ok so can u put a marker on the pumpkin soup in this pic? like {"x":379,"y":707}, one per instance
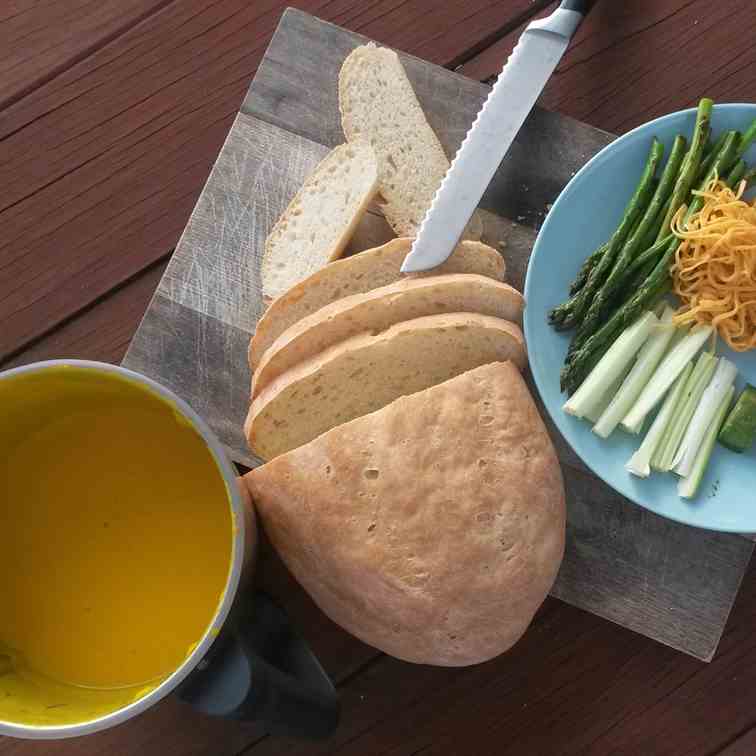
{"x":115,"y":532}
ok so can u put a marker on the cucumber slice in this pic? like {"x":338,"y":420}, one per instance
{"x":739,"y":428}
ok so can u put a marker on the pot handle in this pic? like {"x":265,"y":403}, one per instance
{"x":261,"y":669}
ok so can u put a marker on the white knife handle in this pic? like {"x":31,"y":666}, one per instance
{"x":562,"y":21}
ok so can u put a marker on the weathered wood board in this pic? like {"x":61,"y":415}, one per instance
{"x":670,"y":582}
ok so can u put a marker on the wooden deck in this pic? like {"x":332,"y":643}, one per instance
{"x":111,"y":116}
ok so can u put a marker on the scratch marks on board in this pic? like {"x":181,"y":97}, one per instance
{"x":258,"y":172}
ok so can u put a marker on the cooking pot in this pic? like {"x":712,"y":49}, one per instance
{"x":250,"y":664}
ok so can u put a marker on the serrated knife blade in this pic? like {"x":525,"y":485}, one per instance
{"x":533,"y":60}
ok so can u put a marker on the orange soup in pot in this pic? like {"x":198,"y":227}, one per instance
{"x":116,"y":537}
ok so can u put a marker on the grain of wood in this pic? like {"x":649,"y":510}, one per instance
{"x":85,"y":204}
{"x":39,"y":41}
{"x":698,"y":709}
{"x":101,"y":332}
{"x":630,"y":62}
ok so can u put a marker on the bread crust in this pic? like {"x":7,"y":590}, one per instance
{"x":431,"y":529}
{"x":358,"y":274}
{"x":381,"y":308}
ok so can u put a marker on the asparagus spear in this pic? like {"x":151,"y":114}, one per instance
{"x":560,"y":312}
{"x":635,"y":277}
{"x":720,"y":166}
{"x":640,"y":277}
{"x":691,"y":164}
{"x":650,"y":255}
{"x":571,"y":312}
{"x":653,"y":232}
{"x":709,"y":158}
{"x":591,"y":261}
{"x":657,"y":283}
{"x":687,"y":172}
{"x":737,"y":174}
{"x":603,"y":297}
{"x":585,"y":269}
{"x":745,"y":141}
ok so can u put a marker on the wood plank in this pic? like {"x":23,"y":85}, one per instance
{"x":571,"y":686}
{"x":100,"y":166}
{"x":634,"y":61}
{"x":101,"y":332}
{"x":704,"y":707}
{"x":40,"y":40}
{"x":442,"y":32}
{"x":674,"y":583}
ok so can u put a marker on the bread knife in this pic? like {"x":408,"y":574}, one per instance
{"x":533,"y":60}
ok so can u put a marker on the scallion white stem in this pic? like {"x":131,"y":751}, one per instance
{"x":606,"y":399}
{"x":694,"y":387}
{"x":688,"y":486}
{"x":664,"y":376}
{"x":610,"y":366}
{"x":711,"y":399}
{"x":640,"y":463}
{"x":648,"y":358}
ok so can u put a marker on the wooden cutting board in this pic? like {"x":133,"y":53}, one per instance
{"x":670,"y":582}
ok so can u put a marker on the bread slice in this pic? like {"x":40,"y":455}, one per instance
{"x":431,"y":529}
{"x":381,"y":308}
{"x":377,"y":101}
{"x":319,"y":221}
{"x":366,"y":372}
{"x":358,"y":274}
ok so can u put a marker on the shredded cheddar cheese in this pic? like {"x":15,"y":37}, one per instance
{"x":714,"y":273}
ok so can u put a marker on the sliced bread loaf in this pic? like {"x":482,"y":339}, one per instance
{"x":366,"y":372}
{"x":317,"y":224}
{"x":381,"y":308}
{"x":357,"y":274}
{"x":433,"y":528}
{"x":377,"y":101}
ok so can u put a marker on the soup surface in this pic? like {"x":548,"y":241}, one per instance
{"x":116,"y":533}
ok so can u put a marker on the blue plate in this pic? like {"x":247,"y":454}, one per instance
{"x":582,"y":218}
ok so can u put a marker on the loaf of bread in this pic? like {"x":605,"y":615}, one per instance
{"x":366,"y":372}
{"x":377,"y":101}
{"x":377,"y":310}
{"x":431,"y":529}
{"x":319,"y":221}
{"x":358,"y":274}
